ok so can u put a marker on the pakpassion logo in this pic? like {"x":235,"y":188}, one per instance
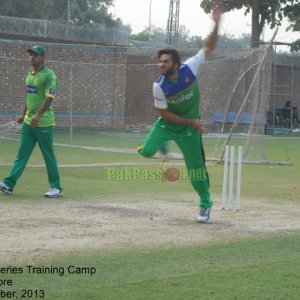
{"x":163,"y":175}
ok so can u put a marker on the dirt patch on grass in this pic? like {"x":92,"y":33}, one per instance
{"x":35,"y":230}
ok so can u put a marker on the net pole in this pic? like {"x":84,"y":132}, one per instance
{"x":246,"y":97}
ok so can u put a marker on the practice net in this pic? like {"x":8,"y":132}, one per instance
{"x":106,"y":93}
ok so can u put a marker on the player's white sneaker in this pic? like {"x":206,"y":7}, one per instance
{"x":204,"y":214}
{"x":5,"y":189}
{"x":53,"y":193}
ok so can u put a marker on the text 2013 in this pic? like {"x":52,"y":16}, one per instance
{"x":31,"y":294}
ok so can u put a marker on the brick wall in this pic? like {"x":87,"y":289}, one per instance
{"x":92,"y":82}
{"x":103,"y":86}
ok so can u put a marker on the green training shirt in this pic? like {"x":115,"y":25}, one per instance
{"x":182,"y":96}
{"x":39,"y":86}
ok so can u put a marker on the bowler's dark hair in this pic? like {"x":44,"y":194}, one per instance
{"x":174,"y":54}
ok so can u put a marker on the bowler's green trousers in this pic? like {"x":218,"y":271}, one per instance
{"x":29,"y":137}
{"x":190,"y":143}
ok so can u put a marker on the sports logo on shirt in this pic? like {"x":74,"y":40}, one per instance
{"x":31,"y":89}
{"x":52,"y":92}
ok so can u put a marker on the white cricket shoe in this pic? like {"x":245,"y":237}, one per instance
{"x":204,"y":214}
{"x":53,"y":193}
{"x":5,"y":189}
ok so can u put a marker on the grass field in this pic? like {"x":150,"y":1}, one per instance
{"x":141,"y":236}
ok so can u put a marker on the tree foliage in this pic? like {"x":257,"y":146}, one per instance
{"x":90,"y":13}
{"x":141,"y":36}
{"x":159,"y":35}
{"x":262,"y":12}
{"x":293,"y":14}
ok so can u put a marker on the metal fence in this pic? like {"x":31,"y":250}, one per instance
{"x":51,"y":30}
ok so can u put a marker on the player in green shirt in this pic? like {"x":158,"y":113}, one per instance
{"x":177,"y":98}
{"x":37,"y":124}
